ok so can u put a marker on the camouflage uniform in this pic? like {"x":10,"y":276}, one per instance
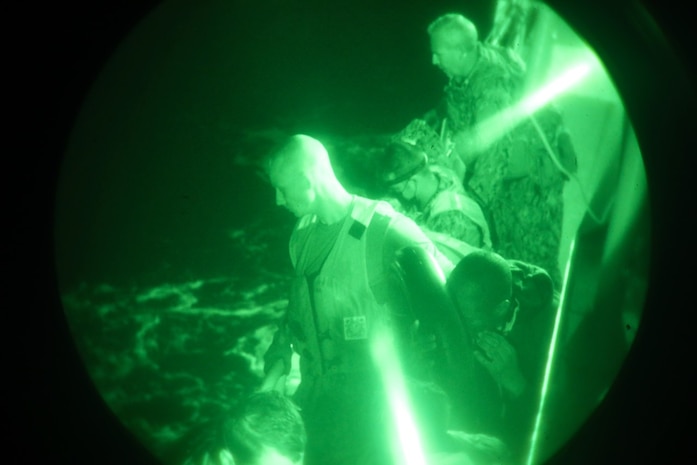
{"x":438,"y":150}
{"x":453,"y":213}
{"x":514,"y":179}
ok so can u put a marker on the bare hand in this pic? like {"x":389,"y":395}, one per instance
{"x":274,"y":379}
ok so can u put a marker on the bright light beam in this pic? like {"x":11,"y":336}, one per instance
{"x":407,"y":448}
{"x":562,"y":83}
{"x":532,"y":452}
{"x":489,"y":131}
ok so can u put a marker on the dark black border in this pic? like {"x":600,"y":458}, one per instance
{"x":57,"y":414}
{"x":61,"y":49}
{"x":643,"y":45}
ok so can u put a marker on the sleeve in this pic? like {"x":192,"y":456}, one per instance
{"x":456,"y":224}
{"x":484,"y":134}
{"x":404,"y":232}
{"x":491,"y":102}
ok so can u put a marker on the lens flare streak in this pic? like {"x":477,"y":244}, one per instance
{"x":407,"y":448}
{"x":532,"y":451}
{"x":489,"y":131}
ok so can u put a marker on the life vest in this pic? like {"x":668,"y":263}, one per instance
{"x":332,"y":317}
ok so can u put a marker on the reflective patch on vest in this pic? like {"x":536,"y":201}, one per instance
{"x":357,"y":229}
{"x":355,"y":328}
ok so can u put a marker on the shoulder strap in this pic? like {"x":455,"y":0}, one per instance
{"x":377,"y":230}
{"x":300,"y":226}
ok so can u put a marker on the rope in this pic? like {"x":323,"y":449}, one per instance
{"x":598,"y":219}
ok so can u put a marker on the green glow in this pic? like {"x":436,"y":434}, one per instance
{"x":631,"y":196}
{"x":406,"y":447}
{"x":495,"y":127}
{"x":550,"y":360}
{"x":171,"y":290}
{"x":184,"y":257}
{"x":567,"y":80}
{"x":439,"y":267}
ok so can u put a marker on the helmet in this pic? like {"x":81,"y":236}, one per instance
{"x":401,"y":160}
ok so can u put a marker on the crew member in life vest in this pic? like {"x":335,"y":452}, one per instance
{"x":342,"y":249}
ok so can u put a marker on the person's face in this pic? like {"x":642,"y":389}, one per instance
{"x":405,"y":191}
{"x":477,"y":321}
{"x":477,"y":318}
{"x":446,"y":56}
{"x":293,"y":191}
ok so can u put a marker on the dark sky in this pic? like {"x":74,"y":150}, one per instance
{"x":149,"y":174}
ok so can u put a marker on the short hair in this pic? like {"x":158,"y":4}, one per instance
{"x":463,"y":31}
{"x":265,"y":420}
{"x":203,"y":444}
{"x":485,"y":275}
{"x":303,"y":153}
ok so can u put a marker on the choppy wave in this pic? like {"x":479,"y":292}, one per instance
{"x":170,"y":357}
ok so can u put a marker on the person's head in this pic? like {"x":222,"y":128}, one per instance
{"x":453,"y":42}
{"x":405,"y":173}
{"x":301,"y":173}
{"x":267,"y":430}
{"x":481,"y":287}
{"x":213,"y":457}
{"x":202,"y":445}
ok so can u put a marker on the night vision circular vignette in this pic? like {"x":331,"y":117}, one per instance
{"x":172,"y":256}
